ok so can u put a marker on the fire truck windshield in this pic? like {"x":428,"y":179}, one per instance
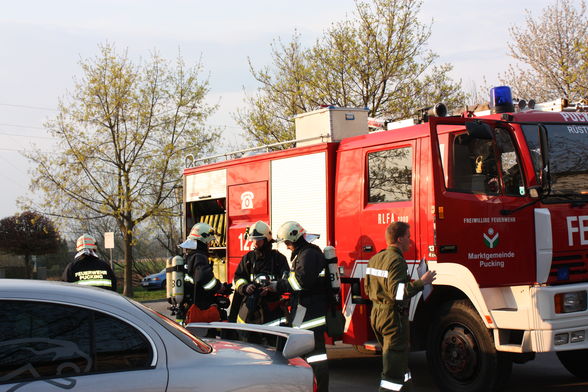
{"x":568,"y":158}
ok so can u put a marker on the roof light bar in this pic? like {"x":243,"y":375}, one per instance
{"x":501,"y":99}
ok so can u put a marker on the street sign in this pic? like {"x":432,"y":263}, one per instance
{"x":109,"y":240}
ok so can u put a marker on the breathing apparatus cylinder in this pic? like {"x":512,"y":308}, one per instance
{"x":177,"y":280}
{"x":168,"y":279}
{"x":332,"y":269}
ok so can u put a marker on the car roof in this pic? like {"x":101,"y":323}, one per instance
{"x":60,"y":292}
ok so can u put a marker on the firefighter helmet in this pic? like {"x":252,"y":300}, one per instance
{"x":202,"y":232}
{"x":290,"y":231}
{"x":258,"y":231}
{"x":86,"y":241}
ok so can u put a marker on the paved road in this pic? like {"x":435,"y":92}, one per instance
{"x":352,"y":371}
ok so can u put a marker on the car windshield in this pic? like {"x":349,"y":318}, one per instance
{"x":175,"y":329}
{"x":568,"y":157}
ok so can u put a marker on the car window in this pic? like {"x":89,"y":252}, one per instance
{"x":42,"y":340}
{"x":472,"y":165}
{"x":176,"y":329}
{"x":390,"y":175}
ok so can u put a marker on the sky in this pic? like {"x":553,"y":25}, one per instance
{"x":42,"y":43}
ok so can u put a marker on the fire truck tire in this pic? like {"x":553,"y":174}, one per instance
{"x":461,"y":352}
{"x":575,"y":362}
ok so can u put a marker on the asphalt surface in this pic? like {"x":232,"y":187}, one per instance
{"x":351,"y":371}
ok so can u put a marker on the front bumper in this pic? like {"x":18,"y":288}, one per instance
{"x":531,"y":310}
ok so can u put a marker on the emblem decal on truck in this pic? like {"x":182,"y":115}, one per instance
{"x":491,"y":242}
{"x":247,"y":200}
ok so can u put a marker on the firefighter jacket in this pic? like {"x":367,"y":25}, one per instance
{"x":266,"y":261}
{"x":308,"y":285}
{"x":205,"y":283}
{"x":91,"y":271}
{"x":255,"y":308}
{"x":385,"y":271}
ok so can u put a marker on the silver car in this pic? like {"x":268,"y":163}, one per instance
{"x":57,"y":336}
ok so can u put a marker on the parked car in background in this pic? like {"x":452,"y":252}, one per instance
{"x":56,"y":336}
{"x":154,"y":281}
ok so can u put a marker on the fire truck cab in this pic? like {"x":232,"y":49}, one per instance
{"x":497,"y":206}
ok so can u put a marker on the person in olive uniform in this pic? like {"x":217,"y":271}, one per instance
{"x":87,"y":268}
{"x":309,"y":289}
{"x":389,"y":287}
{"x":254,"y":273}
{"x":199,"y":269}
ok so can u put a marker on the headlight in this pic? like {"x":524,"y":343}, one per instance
{"x":570,"y":302}
{"x":561,"y":338}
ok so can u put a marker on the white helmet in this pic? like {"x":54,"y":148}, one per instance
{"x":202,"y":232}
{"x":290,"y":231}
{"x":86,"y":241}
{"x":258,"y":231}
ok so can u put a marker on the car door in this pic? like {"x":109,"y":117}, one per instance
{"x":478,"y":222}
{"x":54,"y":347}
{"x":389,"y":195}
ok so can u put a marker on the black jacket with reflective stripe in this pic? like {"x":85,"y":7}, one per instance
{"x":92,"y":270}
{"x":205,"y":283}
{"x":308,"y":262}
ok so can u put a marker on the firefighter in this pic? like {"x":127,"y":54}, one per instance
{"x":87,"y":268}
{"x":389,"y":287}
{"x":310,"y":294}
{"x":204,"y":305}
{"x":255,"y":272}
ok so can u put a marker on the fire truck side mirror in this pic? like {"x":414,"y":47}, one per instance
{"x":478,"y":129}
{"x":534,"y":191}
{"x":544,"y":144}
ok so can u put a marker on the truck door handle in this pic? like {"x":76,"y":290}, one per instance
{"x":368,"y":248}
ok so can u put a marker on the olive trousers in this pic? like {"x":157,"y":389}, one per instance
{"x":392,"y":331}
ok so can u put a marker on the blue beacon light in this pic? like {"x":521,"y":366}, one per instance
{"x":501,"y":99}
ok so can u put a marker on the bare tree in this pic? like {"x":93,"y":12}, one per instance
{"x":122,"y":134}
{"x":549,"y":51}
{"x":377,"y":59}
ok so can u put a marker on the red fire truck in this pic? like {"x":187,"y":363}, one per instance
{"x":497,"y":204}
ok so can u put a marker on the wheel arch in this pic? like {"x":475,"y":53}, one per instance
{"x":453,"y":282}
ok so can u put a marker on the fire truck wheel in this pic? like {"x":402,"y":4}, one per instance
{"x":461,"y":353}
{"x":575,"y":362}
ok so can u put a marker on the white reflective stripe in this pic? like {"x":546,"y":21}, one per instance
{"x":276,"y":323}
{"x":316,"y":358}
{"x":294,"y":282}
{"x":322,"y":273}
{"x":188,"y":278}
{"x":240,"y":282}
{"x":390,"y":385}
{"x":96,"y":282}
{"x":317,"y":322}
{"x":210,"y":285}
{"x":400,"y":292}
{"x":376,"y":272}
{"x":407,"y":377}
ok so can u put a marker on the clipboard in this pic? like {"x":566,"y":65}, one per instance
{"x":421,"y":270}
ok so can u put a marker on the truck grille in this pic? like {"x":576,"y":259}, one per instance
{"x":569,"y":267}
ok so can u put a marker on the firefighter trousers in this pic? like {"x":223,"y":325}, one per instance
{"x":317,"y":359}
{"x":391,"y":329}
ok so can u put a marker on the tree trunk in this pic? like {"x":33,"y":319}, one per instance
{"x":27,"y":264}
{"x":128,"y":254}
